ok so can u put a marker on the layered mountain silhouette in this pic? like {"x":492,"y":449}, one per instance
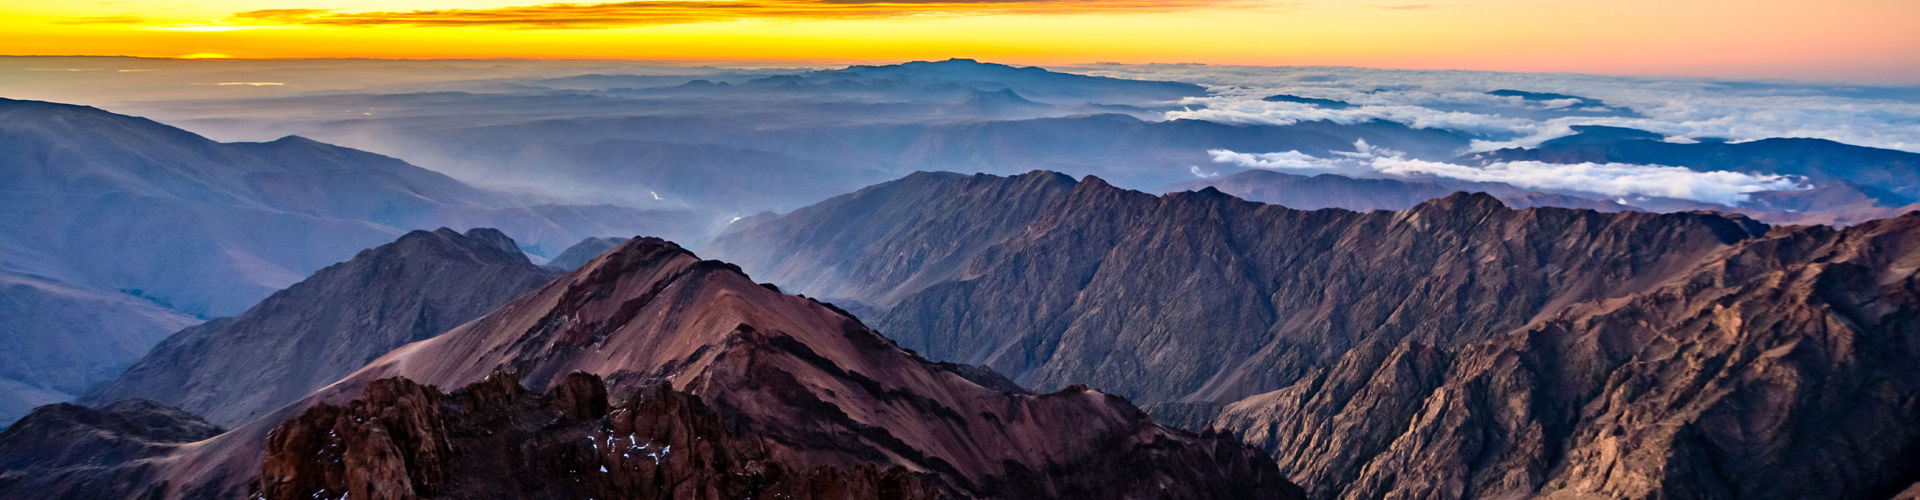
{"x":1455,"y":349}
{"x":754,"y":163}
{"x":230,"y":370}
{"x":975,"y":75}
{"x":754,"y":390}
{"x":120,"y":229}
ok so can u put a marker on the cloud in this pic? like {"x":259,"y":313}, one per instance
{"x":1610,"y":179}
{"x":660,"y":12}
{"x":1683,"y":108}
{"x":102,"y":20}
{"x":1204,"y":174}
{"x":1289,"y":160}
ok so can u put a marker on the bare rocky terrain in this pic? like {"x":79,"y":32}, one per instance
{"x":1457,"y":349}
{"x":812,"y":390}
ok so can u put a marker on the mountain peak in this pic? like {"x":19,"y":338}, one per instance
{"x":493,"y":237}
{"x":425,"y":282}
{"x":1474,"y":202}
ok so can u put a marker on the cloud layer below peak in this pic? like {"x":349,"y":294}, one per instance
{"x":1465,"y":101}
{"x":1610,"y":179}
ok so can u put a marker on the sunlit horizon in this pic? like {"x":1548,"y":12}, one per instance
{"x":1858,"y":41}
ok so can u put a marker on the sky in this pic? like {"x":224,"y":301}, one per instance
{"x":1860,"y":41}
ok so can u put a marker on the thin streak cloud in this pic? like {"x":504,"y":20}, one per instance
{"x":648,"y":13}
{"x":95,"y":20}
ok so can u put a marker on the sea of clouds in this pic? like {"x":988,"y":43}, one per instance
{"x":1622,"y":180}
{"x":1682,"y":109}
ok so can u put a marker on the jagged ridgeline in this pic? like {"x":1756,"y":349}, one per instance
{"x":756,"y":391}
{"x":1456,"y":349}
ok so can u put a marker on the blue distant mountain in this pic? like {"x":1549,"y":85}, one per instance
{"x":119,"y":230}
{"x":1033,"y":82}
{"x":1324,"y":103}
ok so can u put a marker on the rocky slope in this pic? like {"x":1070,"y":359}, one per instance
{"x":1458,"y":349}
{"x":316,"y":331}
{"x":1774,"y":369}
{"x":817,"y":393}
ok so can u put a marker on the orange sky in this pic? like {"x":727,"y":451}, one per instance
{"x":1875,"y":41}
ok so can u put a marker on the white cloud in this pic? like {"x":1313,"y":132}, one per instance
{"x":1610,"y":179}
{"x":1204,"y":174}
{"x":1289,"y":160}
{"x":1884,"y":117}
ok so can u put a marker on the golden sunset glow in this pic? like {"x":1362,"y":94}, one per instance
{"x":1862,"y":40}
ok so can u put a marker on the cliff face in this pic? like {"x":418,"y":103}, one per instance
{"x":311,"y":334}
{"x":1460,"y":349}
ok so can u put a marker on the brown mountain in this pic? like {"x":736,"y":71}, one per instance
{"x":1457,"y":349}
{"x":230,"y":370}
{"x":1776,"y":368}
{"x":814,"y":393}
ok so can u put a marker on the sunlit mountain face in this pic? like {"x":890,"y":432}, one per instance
{"x":960,"y":249}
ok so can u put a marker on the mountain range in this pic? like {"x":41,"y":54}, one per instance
{"x":1577,"y":352}
{"x":721,"y":383}
{"x":144,"y":228}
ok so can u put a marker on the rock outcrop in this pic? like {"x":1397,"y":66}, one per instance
{"x":495,"y":438}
